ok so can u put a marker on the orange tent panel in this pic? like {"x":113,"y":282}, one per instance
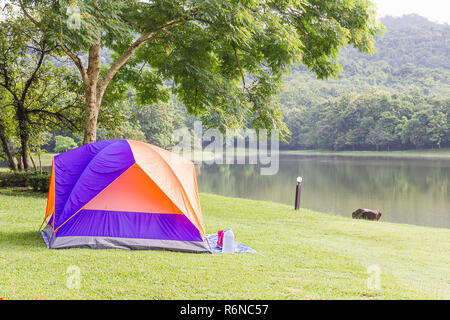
{"x":51,"y":194}
{"x":133,"y":191}
{"x":174,"y":175}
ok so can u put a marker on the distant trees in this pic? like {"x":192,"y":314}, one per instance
{"x":397,"y":98}
{"x":376,"y":121}
{"x":438,"y":129}
{"x":63,"y":144}
{"x":158,"y":122}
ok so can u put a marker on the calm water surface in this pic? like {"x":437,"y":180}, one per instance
{"x":413,"y":191}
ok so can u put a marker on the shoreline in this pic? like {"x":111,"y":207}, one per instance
{"x":443,"y":154}
{"x":202,"y":156}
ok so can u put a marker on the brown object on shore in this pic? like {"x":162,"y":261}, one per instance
{"x":367,"y":214}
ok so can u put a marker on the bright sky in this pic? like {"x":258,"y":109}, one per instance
{"x":434,"y":10}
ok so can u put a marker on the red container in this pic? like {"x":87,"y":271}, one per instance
{"x":220,"y":238}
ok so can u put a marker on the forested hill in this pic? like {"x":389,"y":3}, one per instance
{"x":410,"y":72}
{"x":414,"y":52}
{"x":411,"y":39}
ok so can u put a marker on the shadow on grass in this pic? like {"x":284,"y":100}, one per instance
{"x":22,"y":192}
{"x":26,"y":239}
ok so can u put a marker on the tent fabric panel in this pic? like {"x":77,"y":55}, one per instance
{"x":51,"y":194}
{"x":156,"y":166}
{"x":133,"y":191}
{"x":102,"y":169}
{"x":185,"y":172}
{"x":99,"y":223}
{"x":47,"y":235}
{"x":68,"y":167}
{"x":129,"y":243}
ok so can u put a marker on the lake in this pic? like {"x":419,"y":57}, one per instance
{"x":413,"y":191}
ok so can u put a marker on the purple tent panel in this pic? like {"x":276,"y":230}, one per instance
{"x":139,"y":225}
{"x":82,"y":173}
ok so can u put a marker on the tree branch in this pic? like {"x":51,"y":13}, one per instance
{"x":6,"y":83}
{"x":56,"y":114}
{"x":30,"y":17}
{"x":66,"y":50}
{"x":240,"y":69}
{"x":33,"y":75}
{"x":72,"y":56}
{"x":120,"y":61}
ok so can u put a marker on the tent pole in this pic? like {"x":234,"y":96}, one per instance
{"x":41,"y":225}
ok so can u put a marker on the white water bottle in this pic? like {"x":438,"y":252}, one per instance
{"x":228,"y":241}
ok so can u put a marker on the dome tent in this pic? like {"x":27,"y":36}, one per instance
{"x":123,"y":194}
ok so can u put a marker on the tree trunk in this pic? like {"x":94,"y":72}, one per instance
{"x":40,"y":163}
{"x":19,"y":161}
{"x":6,"y":150}
{"x":32,"y":160}
{"x":90,"y":126}
{"x":24,"y":150}
{"x":92,"y":102}
{"x":23,"y":134}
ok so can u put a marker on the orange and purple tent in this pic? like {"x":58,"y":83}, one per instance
{"x":123,"y":194}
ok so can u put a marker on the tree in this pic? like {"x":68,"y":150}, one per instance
{"x":157,"y":122}
{"x":41,"y":96}
{"x":296,"y":127}
{"x":379,"y":137}
{"x":413,"y":132}
{"x":224,"y":58}
{"x":120,"y":122}
{"x":438,"y":128}
{"x":5,"y":128}
{"x":353,"y":138}
{"x":63,"y":144}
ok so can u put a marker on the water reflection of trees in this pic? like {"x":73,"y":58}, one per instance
{"x":412,"y":191}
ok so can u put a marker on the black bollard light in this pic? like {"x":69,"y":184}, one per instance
{"x":298,"y":193}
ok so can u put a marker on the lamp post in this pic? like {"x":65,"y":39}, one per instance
{"x":298,"y":193}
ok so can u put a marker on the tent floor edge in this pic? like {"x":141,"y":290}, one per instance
{"x":47,"y":235}
{"x":93,"y":242}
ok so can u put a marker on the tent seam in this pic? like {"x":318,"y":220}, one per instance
{"x":100,"y":191}
{"x":94,"y":197}
{"x":178,"y":179}
{"x":78,"y":179}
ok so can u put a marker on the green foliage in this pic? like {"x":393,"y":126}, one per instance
{"x":151,"y":123}
{"x":371,"y":121}
{"x":412,"y":54}
{"x":63,"y":144}
{"x":38,"y":181}
{"x":157,"y":122}
{"x":224,"y":60}
{"x":396,"y":98}
{"x":35,"y":96}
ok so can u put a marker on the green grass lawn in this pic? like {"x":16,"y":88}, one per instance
{"x":302,"y":255}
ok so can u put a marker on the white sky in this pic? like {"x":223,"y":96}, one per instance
{"x":434,"y":10}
